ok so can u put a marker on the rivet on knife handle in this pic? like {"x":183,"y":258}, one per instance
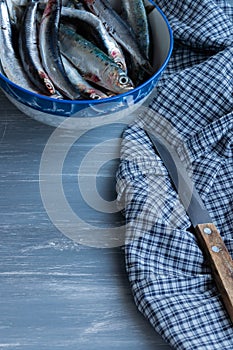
{"x":220,"y":261}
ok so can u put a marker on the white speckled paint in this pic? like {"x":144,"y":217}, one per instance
{"x":54,"y":293}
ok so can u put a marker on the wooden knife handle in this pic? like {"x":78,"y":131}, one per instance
{"x":220,"y":261}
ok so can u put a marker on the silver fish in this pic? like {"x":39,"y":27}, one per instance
{"x":29,"y":51}
{"x":16,"y":10}
{"x":135,"y":14}
{"x":92,"y":62}
{"x":119,"y":29}
{"x":86,"y":90}
{"x":10,"y":62}
{"x":50,"y":51}
{"x":96,"y":26}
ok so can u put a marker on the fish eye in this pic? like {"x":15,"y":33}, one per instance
{"x":123,"y":80}
{"x":95,"y":97}
{"x":120,"y":65}
{"x":49,"y":86}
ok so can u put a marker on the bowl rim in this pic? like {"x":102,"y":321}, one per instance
{"x":107,"y":99}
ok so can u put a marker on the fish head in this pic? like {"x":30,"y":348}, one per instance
{"x":95,"y":95}
{"x":49,"y":85}
{"x":121,"y":64}
{"x":117,"y":80}
{"x":47,"y":82}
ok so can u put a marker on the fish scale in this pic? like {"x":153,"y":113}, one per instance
{"x":86,"y":90}
{"x":136,"y":16}
{"x":50,"y":51}
{"x":120,"y":30}
{"x":93,"y":26}
{"x":36,"y":64}
{"x":10,"y":63}
{"x":93,"y":63}
{"x":29,"y":51}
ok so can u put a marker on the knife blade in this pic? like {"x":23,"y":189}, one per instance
{"x":209,"y":238}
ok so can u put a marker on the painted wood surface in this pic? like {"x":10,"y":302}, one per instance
{"x":54,"y":292}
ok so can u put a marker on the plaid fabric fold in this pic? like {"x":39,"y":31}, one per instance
{"x":192,"y":108}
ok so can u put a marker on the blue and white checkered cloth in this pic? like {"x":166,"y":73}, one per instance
{"x":192,"y":108}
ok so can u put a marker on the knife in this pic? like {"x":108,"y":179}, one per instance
{"x":209,"y":238}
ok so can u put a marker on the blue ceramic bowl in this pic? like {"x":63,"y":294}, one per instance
{"x":54,"y":112}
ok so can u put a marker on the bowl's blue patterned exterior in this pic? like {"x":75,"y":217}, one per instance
{"x":53,"y":112}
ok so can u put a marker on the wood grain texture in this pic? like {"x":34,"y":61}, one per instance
{"x":55,"y":293}
{"x":220,"y":261}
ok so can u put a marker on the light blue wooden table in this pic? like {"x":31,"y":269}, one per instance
{"x":54,"y":292}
